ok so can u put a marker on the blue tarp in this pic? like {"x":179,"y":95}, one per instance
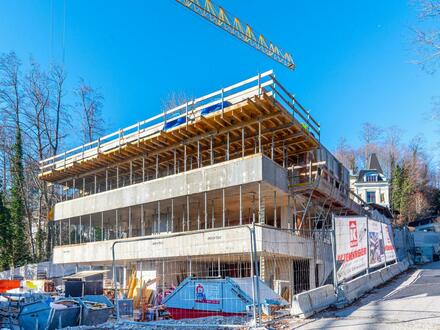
{"x":215,"y":107}
{"x":174,"y":123}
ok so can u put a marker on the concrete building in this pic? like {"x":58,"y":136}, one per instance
{"x":371,"y":184}
{"x":192,"y":180}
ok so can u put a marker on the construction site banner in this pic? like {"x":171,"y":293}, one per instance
{"x":390,"y":252}
{"x":376,"y":243}
{"x":351,"y":246}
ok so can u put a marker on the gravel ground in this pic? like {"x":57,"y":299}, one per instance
{"x":212,"y":322}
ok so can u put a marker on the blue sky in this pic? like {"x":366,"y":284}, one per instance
{"x":353,"y":57}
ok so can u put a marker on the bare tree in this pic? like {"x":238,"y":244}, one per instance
{"x":427,"y":34}
{"x":370,"y":135}
{"x":89,"y":105}
{"x":346,"y":155}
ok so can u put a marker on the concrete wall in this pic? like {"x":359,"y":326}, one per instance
{"x":255,"y":168}
{"x":228,"y":240}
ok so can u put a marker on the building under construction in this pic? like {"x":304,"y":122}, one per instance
{"x":193,"y":179}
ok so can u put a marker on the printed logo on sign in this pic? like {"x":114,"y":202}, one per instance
{"x":353,"y":233}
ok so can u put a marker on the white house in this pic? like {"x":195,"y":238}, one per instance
{"x":371,"y":184}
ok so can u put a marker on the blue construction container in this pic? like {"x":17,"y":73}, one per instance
{"x":196,"y":297}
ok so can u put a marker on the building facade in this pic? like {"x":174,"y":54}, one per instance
{"x":371,"y":184}
{"x":176,"y":194}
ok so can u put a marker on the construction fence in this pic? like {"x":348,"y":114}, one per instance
{"x":256,"y":283}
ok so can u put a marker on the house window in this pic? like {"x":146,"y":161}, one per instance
{"x":371,"y":197}
{"x":371,"y":177}
{"x":382,"y":198}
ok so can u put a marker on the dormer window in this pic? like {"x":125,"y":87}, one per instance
{"x":371,"y":177}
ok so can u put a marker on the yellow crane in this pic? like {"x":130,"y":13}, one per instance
{"x":231,"y":24}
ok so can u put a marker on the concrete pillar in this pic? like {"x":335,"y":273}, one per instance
{"x":117,"y":176}
{"x":312,"y":264}
{"x":241,"y":205}
{"x":206,"y":210}
{"x":187,"y":213}
{"x":130,"y":232}
{"x":94,"y":188}
{"x":131,"y":172}
{"x":142,"y":221}
{"x":227,"y":146}
{"x":157,"y":166}
{"x":106,"y":179}
{"x":117,"y":224}
{"x":223,"y":208}
{"x":143,"y":169}
{"x":242,"y":142}
{"x":158,"y":217}
{"x":184,"y":157}
{"x":211,"y":152}
{"x":275,"y":221}
{"x":102,"y":226}
{"x":175,"y":161}
{"x":172,"y":214}
{"x":259,"y":138}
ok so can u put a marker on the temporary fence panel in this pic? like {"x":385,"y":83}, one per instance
{"x":361,"y":244}
{"x":376,"y":243}
{"x":390,"y":252}
{"x":351,"y":246}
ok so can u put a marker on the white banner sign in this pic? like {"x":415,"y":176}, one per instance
{"x":390,"y":252}
{"x":351,"y":246}
{"x":376,"y":243}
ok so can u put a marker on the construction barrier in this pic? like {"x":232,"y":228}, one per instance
{"x":307,"y":303}
{"x":355,"y":288}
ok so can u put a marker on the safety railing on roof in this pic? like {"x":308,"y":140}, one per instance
{"x":264,"y":83}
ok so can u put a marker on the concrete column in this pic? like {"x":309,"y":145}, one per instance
{"x":117,"y":224}
{"x":183,"y":217}
{"x":142,"y":221}
{"x":106,"y":179}
{"x":312,"y":264}
{"x":80,"y":229}
{"x":90,"y":229}
{"x":102,"y":227}
{"x":175,"y":161}
{"x":206,"y":210}
{"x":157,"y":166}
{"x":70,"y":240}
{"x":275,"y":208}
{"x":117,"y":176}
{"x":184,"y":157}
{"x":198,"y":215}
{"x":213,"y":213}
{"x":94,"y":188}
{"x":242,"y":142}
{"x":272,"y":147}
{"x":172,"y":214}
{"x":158,"y":217}
{"x":198,"y":154}
{"x":211,"y":152}
{"x":143,"y":168}
{"x":259,"y":138}
{"x":187,"y":213}
{"x":227,"y":146}
{"x":84,"y":186}
{"x":130,"y":232}
{"x":223,"y":208}
{"x":241,"y":205}
{"x":260,"y":218}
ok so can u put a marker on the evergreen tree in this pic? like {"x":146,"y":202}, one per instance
{"x":5,"y":235}
{"x":20,"y":251}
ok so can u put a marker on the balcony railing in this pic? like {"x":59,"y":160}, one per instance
{"x":184,"y":114}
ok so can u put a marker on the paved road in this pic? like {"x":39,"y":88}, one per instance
{"x":410,"y":301}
